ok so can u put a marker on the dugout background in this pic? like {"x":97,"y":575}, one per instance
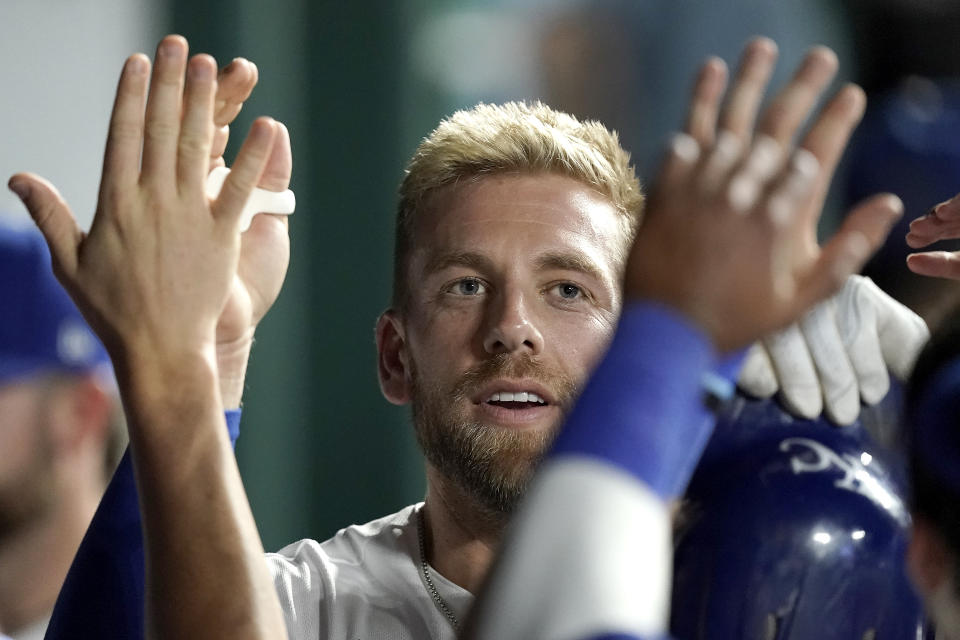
{"x":358,"y":84}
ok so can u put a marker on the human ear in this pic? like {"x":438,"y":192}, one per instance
{"x":392,"y":363}
{"x":78,"y":412}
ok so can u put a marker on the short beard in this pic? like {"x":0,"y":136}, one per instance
{"x":490,"y":463}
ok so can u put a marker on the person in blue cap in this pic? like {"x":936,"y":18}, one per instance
{"x":60,"y":431}
{"x":933,"y":407}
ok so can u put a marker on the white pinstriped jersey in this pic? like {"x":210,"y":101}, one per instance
{"x":365,"y":583}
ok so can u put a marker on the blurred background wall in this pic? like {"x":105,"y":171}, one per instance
{"x":358,"y":84}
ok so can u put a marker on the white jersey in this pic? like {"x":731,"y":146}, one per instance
{"x":365,"y":583}
{"x":34,"y":631}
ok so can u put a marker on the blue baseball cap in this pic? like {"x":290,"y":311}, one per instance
{"x":41,"y":331}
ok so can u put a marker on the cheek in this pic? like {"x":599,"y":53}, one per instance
{"x":580,"y":340}
{"x":447,"y":334}
{"x":19,"y":441}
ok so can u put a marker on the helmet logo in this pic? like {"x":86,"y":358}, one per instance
{"x":815,"y":457}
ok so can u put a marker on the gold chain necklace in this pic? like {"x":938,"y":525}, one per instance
{"x":438,"y":600}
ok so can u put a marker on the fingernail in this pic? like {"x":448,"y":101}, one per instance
{"x":895,"y":205}
{"x":171,"y":47}
{"x":22,"y":189}
{"x":136,"y":65}
{"x":201,"y":68}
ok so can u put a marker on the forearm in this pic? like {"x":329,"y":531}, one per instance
{"x":202,"y":550}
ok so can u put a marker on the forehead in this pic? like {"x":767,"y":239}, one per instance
{"x":520,"y":216}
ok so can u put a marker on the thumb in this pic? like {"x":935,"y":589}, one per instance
{"x":861,"y":234}
{"x":276,"y":175}
{"x":53,"y":218}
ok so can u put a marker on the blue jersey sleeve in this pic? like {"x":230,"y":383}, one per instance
{"x":643,"y":409}
{"x":103,"y":594}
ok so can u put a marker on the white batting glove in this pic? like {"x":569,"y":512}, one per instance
{"x":838,"y":354}
{"x":260,"y":201}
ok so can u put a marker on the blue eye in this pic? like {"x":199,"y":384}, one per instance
{"x":469,"y":287}
{"x":568,"y":291}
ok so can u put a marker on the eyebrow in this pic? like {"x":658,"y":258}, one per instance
{"x":565,"y":261}
{"x":469,"y":259}
{"x":552,"y":260}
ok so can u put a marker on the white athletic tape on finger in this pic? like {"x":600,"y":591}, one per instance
{"x":260,"y":200}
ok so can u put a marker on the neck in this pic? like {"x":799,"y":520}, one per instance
{"x":34,"y":561}
{"x":461,"y":536}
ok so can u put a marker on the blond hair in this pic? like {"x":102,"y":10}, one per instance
{"x":513,"y":137}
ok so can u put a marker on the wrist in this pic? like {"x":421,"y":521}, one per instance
{"x":232,"y":357}
{"x":166,"y":396}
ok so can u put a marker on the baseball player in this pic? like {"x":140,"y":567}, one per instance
{"x":60,"y":432}
{"x":516,"y":224}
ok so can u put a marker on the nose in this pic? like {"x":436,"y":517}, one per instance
{"x":511,"y":327}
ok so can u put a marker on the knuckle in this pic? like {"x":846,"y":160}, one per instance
{"x":193,"y":143}
{"x":125,"y":130}
{"x":160,"y":130}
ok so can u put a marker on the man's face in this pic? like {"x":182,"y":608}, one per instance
{"x":515,"y":291}
{"x":26,"y":465}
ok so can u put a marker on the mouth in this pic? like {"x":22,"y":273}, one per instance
{"x":516,"y":400}
{"x":515,"y":403}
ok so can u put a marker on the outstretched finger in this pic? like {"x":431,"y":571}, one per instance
{"x":53,"y":218}
{"x":745,"y":96}
{"x":705,"y":102}
{"x":196,"y":130}
{"x":936,"y":264}
{"x":862,"y":233}
{"x":121,"y":158}
{"x":828,"y":136}
{"x":247,"y":170}
{"x":161,"y":130}
{"x":793,"y":103}
{"x":235,"y":83}
{"x":679,"y":158}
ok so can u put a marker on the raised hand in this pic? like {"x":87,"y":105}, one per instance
{"x":729,"y":237}
{"x":942,"y":222}
{"x":265,"y":247}
{"x":161,"y":291}
{"x":153,"y":277}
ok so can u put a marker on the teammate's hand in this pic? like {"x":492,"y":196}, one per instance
{"x":155,"y":271}
{"x":235,"y":83}
{"x":838,"y":354}
{"x":265,"y":247}
{"x":942,"y":222}
{"x":729,"y":236}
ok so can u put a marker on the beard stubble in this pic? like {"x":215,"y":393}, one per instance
{"x":491,"y":463}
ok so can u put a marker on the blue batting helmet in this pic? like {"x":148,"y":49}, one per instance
{"x":791,"y":530}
